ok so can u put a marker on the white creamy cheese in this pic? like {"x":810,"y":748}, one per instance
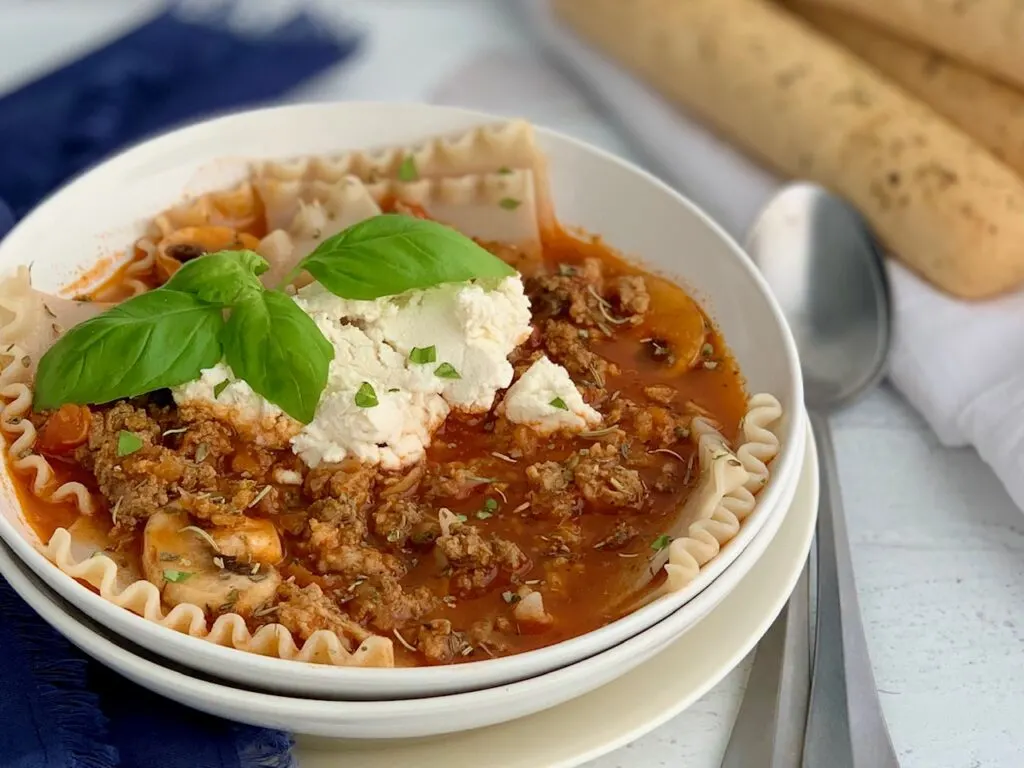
{"x":546,"y":399}
{"x":472,"y":330}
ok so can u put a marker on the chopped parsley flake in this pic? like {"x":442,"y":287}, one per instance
{"x":509,"y":203}
{"x":559,"y":403}
{"x":366,"y":397}
{"x":127,"y":443}
{"x":461,"y":518}
{"x":661,"y":542}
{"x":218,"y":388}
{"x":447,"y":371}
{"x":177,"y":577}
{"x":491,"y":504}
{"x":407,"y":171}
{"x":421,"y":355}
{"x":504,"y":170}
{"x":483,"y":514}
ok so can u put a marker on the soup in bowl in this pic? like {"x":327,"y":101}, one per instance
{"x":369,"y":407}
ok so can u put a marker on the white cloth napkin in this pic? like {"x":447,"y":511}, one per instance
{"x":960,"y":364}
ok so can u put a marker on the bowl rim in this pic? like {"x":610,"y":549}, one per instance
{"x":785,"y":470}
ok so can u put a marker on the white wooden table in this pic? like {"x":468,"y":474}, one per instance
{"x":938,"y":545}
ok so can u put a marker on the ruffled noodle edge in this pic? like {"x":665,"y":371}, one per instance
{"x":725,"y":494}
{"x":229,"y":630}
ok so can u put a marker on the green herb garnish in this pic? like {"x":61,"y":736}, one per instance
{"x":559,"y":403}
{"x":421,"y":355}
{"x":407,"y":171}
{"x":366,"y":397}
{"x":661,"y":542}
{"x":220,"y":387}
{"x":483,"y":514}
{"x":461,"y":518}
{"x":127,"y":443}
{"x":504,"y":170}
{"x":177,"y":577}
{"x":491,"y":504}
{"x":393,"y":253}
{"x":509,"y":203}
{"x":447,"y":371}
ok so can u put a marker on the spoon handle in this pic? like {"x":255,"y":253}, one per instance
{"x":845,"y":725}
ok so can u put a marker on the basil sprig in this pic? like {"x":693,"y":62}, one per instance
{"x":392,"y":253}
{"x":167,"y":336}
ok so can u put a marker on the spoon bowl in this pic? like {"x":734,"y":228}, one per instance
{"x":823,"y":266}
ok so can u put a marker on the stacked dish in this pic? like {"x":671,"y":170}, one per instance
{"x":360,"y":403}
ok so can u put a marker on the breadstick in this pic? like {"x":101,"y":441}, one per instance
{"x":986,"y":34}
{"x":762,"y":77}
{"x":987,"y":109}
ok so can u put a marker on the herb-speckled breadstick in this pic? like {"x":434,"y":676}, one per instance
{"x":987,"y":34}
{"x":761,"y":76}
{"x":989,"y":110}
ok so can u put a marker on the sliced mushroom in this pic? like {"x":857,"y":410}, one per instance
{"x":251,"y":540}
{"x":188,"y":568}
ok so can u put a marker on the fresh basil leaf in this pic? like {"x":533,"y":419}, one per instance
{"x":278,"y":350}
{"x":224,"y":278}
{"x":559,"y":403}
{"x":407,"y":171}
{"x":447,"y":371}
{"x":366,"y":397}
{"x":421,"y":355}
{"x":154,"y":340}
{"x":127,"y":443}
{"x":391,"y":253}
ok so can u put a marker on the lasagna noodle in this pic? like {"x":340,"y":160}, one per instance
{"x":480,"y":151}
{"x":724,"y":496}
{"x":229,"y":630}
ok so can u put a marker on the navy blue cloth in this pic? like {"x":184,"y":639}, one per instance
{"x":59,"y":709}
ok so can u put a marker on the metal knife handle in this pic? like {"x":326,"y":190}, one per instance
{"x":769,"y":728}
{"x":845,"y":725}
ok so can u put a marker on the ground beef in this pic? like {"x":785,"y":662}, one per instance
{"x":654,"y":425}
{"x":338,"y":547}
{"x":438,"y":643}
{"x":384,"y":605}
{"x":574,"y":292}
{"x":206,"y":442}
{"x":476,"y":561}
{"x":634,"y":300}
{"x":397,"y":519}
{"x":551,"y":495}
{"x":142,"y":482}
{"x":454,"y":480}
{"x":622,"y":533}
{"x":670,"y":477}
{"x":568,"y":348}
{"x":305,"y":610}
{"x":604,"y":482}
{"x":660,"y":393}
{"x":351,"y":483}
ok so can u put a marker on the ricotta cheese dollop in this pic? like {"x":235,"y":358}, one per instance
{"x":546,"y":399}
{"x":382,"y":402}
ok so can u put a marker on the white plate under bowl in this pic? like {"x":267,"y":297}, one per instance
{"x":683,"y":667}
{"x":103,"y":211}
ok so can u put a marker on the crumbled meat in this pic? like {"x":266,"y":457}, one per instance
{"x":476,"y":561}
{"x":660,"y":393}
{"x":605,"y":482}
{"x":566,"y":347}
{"x":669,"y":478}
{"x":487,"y":633}
{"x":622,"y":533}
{"x":653,"y":425}
{"x":550,"y":494}
{"x":350,"y":483}
{"x":144,"y":481}
{"x":455,"y":480}
{"x":634,"y":300}
{"x":575,"y":291}
{"x":305,"y":610}
{"x":384,"y":605}
{"x":207,"y":441}
{"x":397,"y":519}
{"x":438,"y":643}
{"x":339,"y":548}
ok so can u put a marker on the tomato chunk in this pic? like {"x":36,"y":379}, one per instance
{"x":65,"y":430}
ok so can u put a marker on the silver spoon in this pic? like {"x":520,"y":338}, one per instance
{"x":825,"y":269}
